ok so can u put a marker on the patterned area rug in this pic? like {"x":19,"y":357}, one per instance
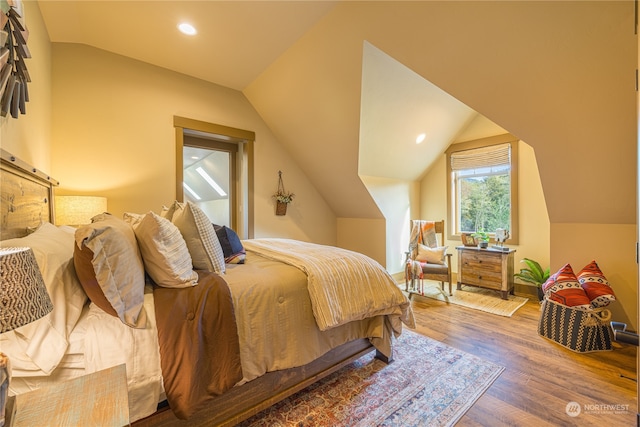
{"x":427,"y":384}
{"x":476,"y":298}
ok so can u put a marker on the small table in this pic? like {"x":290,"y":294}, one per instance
{"x":486,"y":268}
{"x":97,"y":399}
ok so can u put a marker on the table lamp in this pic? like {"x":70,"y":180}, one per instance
{"x":23,"y":299}
{"x":78,"y":210}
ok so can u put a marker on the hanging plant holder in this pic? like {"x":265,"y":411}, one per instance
{"x":281,"y":208}
{"x":282,"y":197}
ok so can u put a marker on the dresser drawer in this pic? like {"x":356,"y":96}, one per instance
{"x":484,"y":260}
{"x":487,"y":279}
{"x":485,"y":268}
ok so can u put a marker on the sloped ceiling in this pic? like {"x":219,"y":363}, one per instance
{"x":236,"y":40}
{"x":558,"y":75}
{"x":397,"y":105}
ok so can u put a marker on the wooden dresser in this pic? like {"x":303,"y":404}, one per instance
{"x":486,"y":268}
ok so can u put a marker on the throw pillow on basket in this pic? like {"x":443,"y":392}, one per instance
{"x":573,"y":309}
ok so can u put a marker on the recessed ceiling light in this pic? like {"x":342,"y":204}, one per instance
{"x":420,"y":138}
{"x":187,"y":29}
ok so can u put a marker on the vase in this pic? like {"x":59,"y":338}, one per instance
{"x":281,"y":208}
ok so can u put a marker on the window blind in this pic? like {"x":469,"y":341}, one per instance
{"x":483,"y":157}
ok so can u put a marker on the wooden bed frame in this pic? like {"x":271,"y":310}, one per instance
{"x":27,"y":202}
{"x":244,"y":401}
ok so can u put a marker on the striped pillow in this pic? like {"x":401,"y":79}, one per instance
{"x":164,"y":252}
{"x":199,"y":235}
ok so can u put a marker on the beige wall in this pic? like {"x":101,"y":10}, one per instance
{"x":113,"y":136}
{"x":366,"y":236}
{"x":28,"y":137}
{"x":613,"y":247}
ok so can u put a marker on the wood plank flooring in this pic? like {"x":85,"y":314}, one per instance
{"x":541,"y":378}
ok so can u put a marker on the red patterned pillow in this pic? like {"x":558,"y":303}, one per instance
{"x":563,"y":287}
{"x":596,"y":285}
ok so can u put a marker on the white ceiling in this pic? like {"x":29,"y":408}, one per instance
{"x":398,"y":105}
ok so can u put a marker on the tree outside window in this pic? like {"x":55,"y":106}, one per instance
{"x":484,"y":203}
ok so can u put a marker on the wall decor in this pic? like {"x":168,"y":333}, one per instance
{"x":14,"y":75}
{"x":282,"y":197}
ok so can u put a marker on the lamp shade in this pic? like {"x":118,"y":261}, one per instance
{"x":77,"y":210}
{"x":23,"y":294}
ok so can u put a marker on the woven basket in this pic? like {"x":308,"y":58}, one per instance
{"x":578,"y":330}
{"x":281,"y":208}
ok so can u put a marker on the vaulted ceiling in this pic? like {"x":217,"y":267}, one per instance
{"x":343,"y":85}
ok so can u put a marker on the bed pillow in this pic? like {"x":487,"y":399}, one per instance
{"x":596,"y":285}
{"x":199,"y":235}
{"x":110,"y":268}
{"x":563,"y":287}
{"x":164,"y":251}
{"x":37,"y":348}
{"x":431,"y":255}
{"x":232,"y":248}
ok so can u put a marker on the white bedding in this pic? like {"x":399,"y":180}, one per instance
{"x":101,"y":341}
{"x":37,"y":348}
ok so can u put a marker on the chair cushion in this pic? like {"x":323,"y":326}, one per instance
{"x":429,"y":268}
{"x":431,"y":255}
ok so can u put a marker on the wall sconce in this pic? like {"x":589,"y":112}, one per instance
{"x":23,"y":299}
{"x":78,"y":210}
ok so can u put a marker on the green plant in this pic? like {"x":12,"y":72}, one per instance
{"x":284,"y":197}
{"x":533,"y":274}
{"x":481,"y":236}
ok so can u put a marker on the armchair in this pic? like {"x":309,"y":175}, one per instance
{"x":425,"y":259}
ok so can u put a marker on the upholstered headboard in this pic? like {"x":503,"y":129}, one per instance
{"x":26,"y":197}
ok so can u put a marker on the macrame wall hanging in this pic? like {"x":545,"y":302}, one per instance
{"x":13,"y":51}
{"x":282,"y":197}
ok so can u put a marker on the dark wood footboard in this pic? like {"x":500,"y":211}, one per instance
{"x":244,"y":401}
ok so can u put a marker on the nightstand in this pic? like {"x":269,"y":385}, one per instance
{"x":486,"y":268}
{"x":97,"y":399}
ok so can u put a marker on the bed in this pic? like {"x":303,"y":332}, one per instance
{"x":290,"y":320}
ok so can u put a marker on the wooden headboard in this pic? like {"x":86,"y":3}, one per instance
{"x":26,"y":197}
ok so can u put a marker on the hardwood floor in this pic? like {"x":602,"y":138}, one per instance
{"x":541,"y":377}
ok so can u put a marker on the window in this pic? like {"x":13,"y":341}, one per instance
{"x":482,"y":186}
{"x":214,"y":169}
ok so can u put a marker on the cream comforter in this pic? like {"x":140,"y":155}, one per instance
{"x":343,"y":285}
